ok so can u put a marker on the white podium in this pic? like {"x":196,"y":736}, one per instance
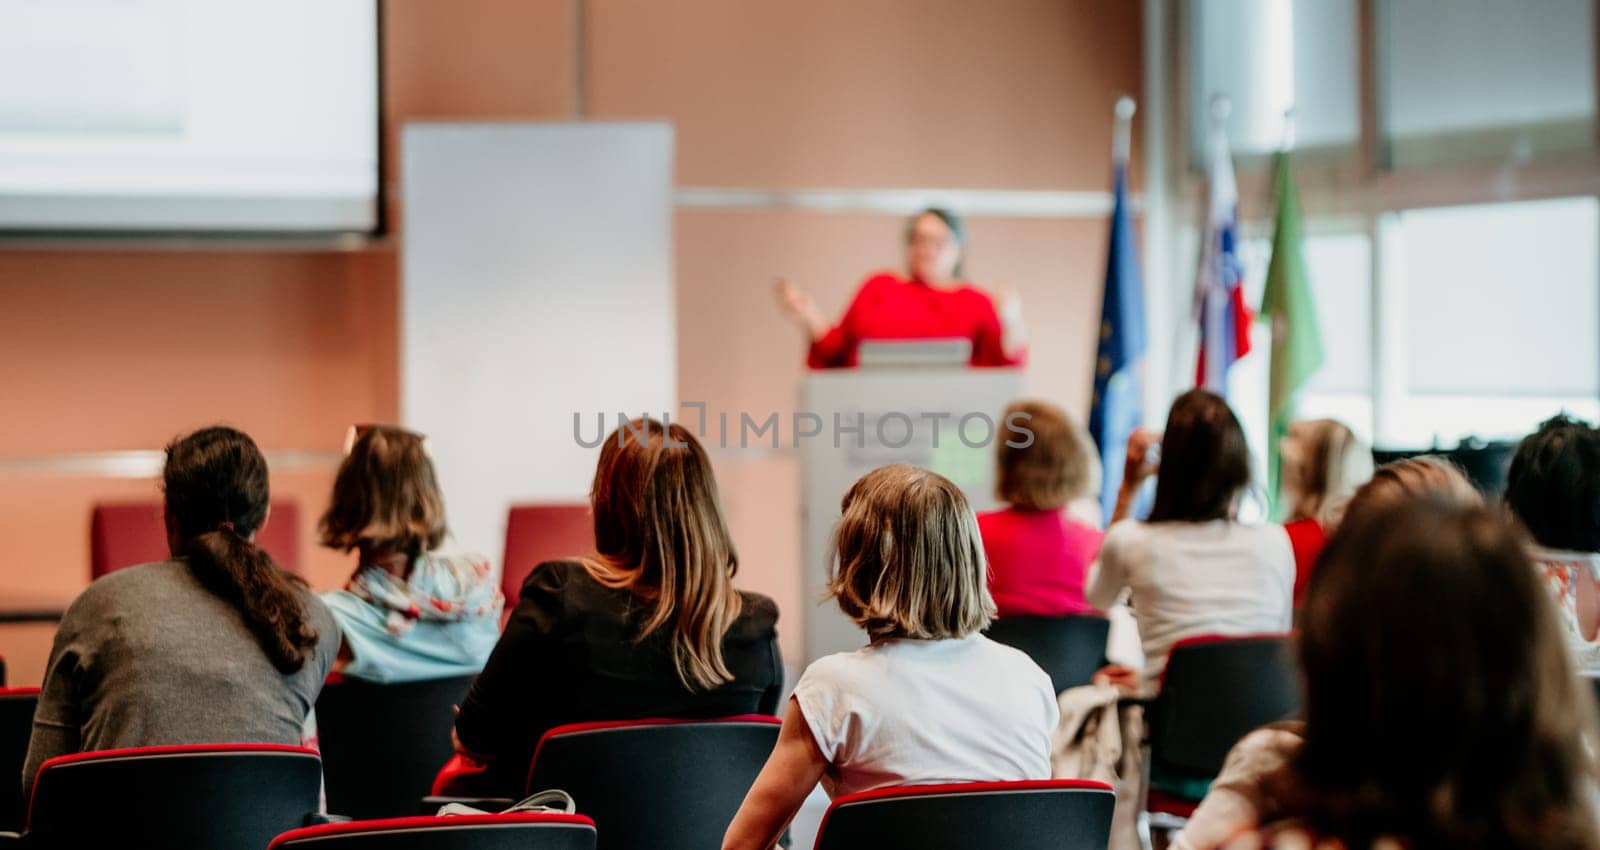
{"x":947,"y":419}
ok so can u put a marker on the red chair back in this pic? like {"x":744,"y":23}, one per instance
{"x":1049,"y":814}
{"x":517,"y":831}
{"x":656,"y":784}
{"x":16,"y":727}
{"x":122,"y":534}
{"x":198,"y":797}
{"x":539,"y":533}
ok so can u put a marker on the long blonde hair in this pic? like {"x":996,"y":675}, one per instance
{"x":1327,"y":463}
{"x":659,"y":532}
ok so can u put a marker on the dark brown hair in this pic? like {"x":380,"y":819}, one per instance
{"x":1441,"y":705}
{"x":1205,"y":462}
{"x":217,"y":497}
{"x":659,"y":531}
{"x":908,"y":561}
{"x":1553,"y":485}
{"x":386,"y":497}
{"x":1059,"y":465}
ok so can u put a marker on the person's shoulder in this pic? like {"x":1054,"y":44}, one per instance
{"x":1125,"y":536}
{"x":758,"y":616}
{"x":557,"y":577}
{"x":998,"y":658}
{"x":882,"y":279}
{"x":842,"y":670}
{"x":134,"y":580}
{"x":1269,"y":539}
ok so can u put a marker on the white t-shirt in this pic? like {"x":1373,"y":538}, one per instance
{"x":920,"y":712}
{"x":1194,"y":578}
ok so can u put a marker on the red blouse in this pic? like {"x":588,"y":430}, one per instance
{"x":890,"y":307}
{"x":1037,"y":561}
{"x":1306,"y":538}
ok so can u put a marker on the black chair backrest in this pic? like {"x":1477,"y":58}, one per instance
{"x":382,"y":744}
{"x":1216,"y":690}
{"x":656,"y":785}
{"x":520,"y":831}
{"x":1070,"y":649}
{"x":16,"y":727}
{"x":1060,"y":814}
{"x":203,"y":797}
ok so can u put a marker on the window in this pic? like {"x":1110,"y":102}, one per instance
{"x":1485,"y":79}
{"x":1499,"y":312}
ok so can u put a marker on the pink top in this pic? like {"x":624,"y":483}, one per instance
{"x":1037,"y":561}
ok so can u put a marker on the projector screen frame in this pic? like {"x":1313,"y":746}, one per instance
{"x":333,"y":238}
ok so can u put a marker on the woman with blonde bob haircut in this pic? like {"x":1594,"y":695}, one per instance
{"x":1040,"y":545}
{"x":929,"y":700}
{"x":647,"y":625}
{"x":408,"y":613}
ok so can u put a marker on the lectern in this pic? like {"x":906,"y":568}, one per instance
{"x":913,"y":409}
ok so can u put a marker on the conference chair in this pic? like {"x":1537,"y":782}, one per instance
{"x":514,"y":831}
{"x":382,"y":744}
{"x":16,"y":726}
{"x":197,"y":797}
{"x":1214,"y":691}
{"x":1070,"y":648}
{"x":539,"y":533}
{"x":1049,"y":814}
{"x":122,"y":534}
{"x":656,"y":784}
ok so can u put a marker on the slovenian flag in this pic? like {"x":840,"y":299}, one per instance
{"x":1219,"y":291}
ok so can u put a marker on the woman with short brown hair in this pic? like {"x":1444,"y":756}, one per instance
{"x":408,"y":613}
{"x":649,"y":624}
{"x":1038,"y":549}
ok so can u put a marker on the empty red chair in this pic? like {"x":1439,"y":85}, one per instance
{"x":517,"y":831}
{"x":1047,"y":814}
{"x":1214,"y":691}
{"x":196,"y":797}
{"x":539,"y":533}
{"x":122,"y":534}
{"x":16,"y":726}
{"x":656,"y":784}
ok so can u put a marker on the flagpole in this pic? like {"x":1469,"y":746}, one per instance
{"x":1122,"y":134}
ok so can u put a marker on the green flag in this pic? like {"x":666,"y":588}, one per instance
{"x":1287,"y":304}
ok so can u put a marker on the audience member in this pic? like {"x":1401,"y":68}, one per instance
{"x":217,"y":645}
{"x":649,"y":625}
{"x":930,"y":699}
{"x":1553,"y":489}
{"x":1323,"y":462}
{"x":1038,"y":552}
{"x":408,"y":613}
{"x":1192,"y":568}
{"x":1441,"y":708}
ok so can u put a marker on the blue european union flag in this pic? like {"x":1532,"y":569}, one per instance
{"x":1118,"y":379}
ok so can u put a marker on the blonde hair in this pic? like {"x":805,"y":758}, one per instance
{"x":659,"y":532}
{"x":908,"y":561}
{"x":1059,"y":465}
{"x":385,"y":497}
{"x":1327,"y":462}
{"x":1404,"y":481}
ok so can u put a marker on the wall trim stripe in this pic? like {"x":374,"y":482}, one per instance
{"x":997,"y":203}
{"x":146,"y":463}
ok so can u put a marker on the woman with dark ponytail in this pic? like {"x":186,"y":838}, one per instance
{"x":217,"y":645}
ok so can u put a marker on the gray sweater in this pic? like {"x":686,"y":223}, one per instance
{"x":147,"y":656}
